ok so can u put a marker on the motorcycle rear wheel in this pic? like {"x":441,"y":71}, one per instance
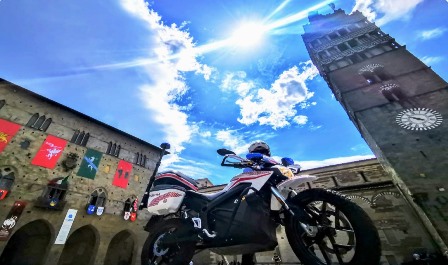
{"x":346,"y":234}
{"x":153,"y":253}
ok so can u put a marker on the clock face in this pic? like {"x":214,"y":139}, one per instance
{"x":419,"y":119}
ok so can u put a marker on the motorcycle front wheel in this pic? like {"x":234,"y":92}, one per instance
{"x":345,"y":233}
{"x":155,"y":253}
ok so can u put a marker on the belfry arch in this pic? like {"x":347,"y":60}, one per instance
{"x":122,"y":249}
{"x":29,"y":245}
{"x":80,"y":247}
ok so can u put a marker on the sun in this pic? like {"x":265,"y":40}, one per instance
{"x":248,"y":34}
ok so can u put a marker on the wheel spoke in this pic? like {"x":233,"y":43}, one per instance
{"x":336,"y":248}
{"x":322,"y":247}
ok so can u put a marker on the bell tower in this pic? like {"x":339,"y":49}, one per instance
{"x":397,"y":103}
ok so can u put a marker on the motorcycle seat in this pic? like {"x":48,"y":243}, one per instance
{"x":207,"y":196}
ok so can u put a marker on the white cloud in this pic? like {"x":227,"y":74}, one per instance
{"x":194,"y":169}
{"x":233,"y":140}
{"x":276,"y":106}
{"x":300,"y":119}
{"x":173,"y":50}
{"x":384,"y":11}
{"x":429,"y":60}
{"x":235,"y":81}
{"x":431,"y":34}
{"x":332,"y":161}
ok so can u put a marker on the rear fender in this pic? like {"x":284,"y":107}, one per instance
{"x":152,"y":221}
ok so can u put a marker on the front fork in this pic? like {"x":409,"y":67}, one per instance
{"x":303,"y":217}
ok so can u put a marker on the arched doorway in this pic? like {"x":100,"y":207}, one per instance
{"x":121,"y":249}
{"x":29,"y":245}
{"x":80,"y":247}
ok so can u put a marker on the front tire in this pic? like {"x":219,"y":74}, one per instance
{"x":346,"y":234}
{"x":180,"y":253}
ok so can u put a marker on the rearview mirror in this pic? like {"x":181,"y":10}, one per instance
{"x":223,"y":152}
{"x":286,"y":161}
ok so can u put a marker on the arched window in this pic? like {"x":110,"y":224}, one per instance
{"x":97,"y":201}
{"x":80,"y":138}
{"x":39,"y":122}
{"x":53,"y":196}
{"x":32,"y":120}
{"x":374,"y":73}
{"x":392,"y":92}
{"x":140,"y":159}
{"x":109,"y":147}
{"x":2,"y":103}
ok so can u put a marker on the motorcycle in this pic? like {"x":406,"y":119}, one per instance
{"x":322,"y":226}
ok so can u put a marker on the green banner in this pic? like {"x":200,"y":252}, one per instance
{"x":89,"y":164}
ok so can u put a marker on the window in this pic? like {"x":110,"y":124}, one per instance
{"x":113,"y":149}
{"x":392,"y":92}
{"x":2,"y":103}
{"x":323,"y":55}
{"x":343,"y":47}
{"x":80,"y":138}
{"x":39,"y":122}
{"x":97,"y":201}
{"x":53,"y":196}
{"x":374,"y":73}
{"x":315,"y":43}
{"x":140,"y":159}
{"x":333,"y":51}
{"x":333,"y":35}
{"x":343,"y":32}
{"x":363,"y":39}
{"x":353,"y":43}
{"x":381,"y":74}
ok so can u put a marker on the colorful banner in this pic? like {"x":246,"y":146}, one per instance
{"x":66,"y":226}
{"x":7,"y":131}
{"x":49,"y":152}
{"x":89,"y":164}
{"x":122,"y":175}
{"x":11,"y":220}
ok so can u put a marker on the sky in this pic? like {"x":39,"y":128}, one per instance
{"x":203,"y":75}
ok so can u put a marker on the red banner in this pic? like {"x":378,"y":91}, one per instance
{"x":122,"y":175}
{"x":49,"y":152}
{"x":7,"y":131}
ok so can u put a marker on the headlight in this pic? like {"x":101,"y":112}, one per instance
{"x":286,"y":172}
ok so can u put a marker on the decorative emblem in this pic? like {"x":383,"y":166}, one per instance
{"x":3,"y":137}
{"x":126,"y":215}
{"x":53,"y":202}
{"x":9,"y":223}
{"x":91,"y":209}
{"x":54,"y":150}
{"x":419,"y":119}
{"x":3,"y":194}
{"x":370,"y":68}
{"x":99,"y":211}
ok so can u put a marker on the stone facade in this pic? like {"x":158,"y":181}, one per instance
{"x":93,"y":239}
{"x":377,"y":81}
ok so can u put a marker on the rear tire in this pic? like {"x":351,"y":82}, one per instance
{"x":346,"y":234}
{"x":179,"y":254}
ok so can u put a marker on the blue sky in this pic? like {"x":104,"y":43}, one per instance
{"x":186,"y":72}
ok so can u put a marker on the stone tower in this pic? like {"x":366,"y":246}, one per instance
{"x":398,"y":104}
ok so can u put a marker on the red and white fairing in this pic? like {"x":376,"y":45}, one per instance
{"x":256,"y":178}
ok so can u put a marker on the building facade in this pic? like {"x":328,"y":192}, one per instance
{"x":397,"y":103}
{"x":59,"y":168}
